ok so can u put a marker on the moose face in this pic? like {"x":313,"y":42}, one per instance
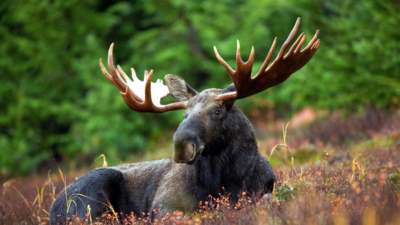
{"x":203,"y":120}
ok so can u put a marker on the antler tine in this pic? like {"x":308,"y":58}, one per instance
{"x":146,"y":75}
{"x":147,"y":89}
{"x":276,"y":73}
{"x":120,"y":71}
{"x":298,"y":48}
{"x":268,"y":58}
{"x":117,"y":79}
{"x":317,"y":44}
{"x":134,"y":77}
{"x":298,"y":40}
{"x":106,"y":74}
{"x":238,"y":56}
{"x":222,"y":61}
{"x":289,"y":39}
{"x":243,"y":69}
{"x":312,"y":41}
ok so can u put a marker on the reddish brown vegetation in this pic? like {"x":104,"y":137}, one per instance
{"x":337,"y":129}
{"x":355,"y":183}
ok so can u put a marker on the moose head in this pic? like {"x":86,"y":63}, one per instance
{"x":209,"y":113}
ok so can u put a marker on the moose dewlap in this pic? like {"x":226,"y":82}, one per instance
{"x":215,"y":150}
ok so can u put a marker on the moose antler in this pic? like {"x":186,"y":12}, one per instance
{"x":276,"y":73}
{"x":141,"y":96}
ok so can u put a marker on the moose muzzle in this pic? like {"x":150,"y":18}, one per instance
{"x":188,"y":145}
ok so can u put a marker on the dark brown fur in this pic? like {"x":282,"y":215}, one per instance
{"x":217,"y":146}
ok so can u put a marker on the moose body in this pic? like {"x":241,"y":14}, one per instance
{"x":228,"y":162}
{"x":215,"y":150}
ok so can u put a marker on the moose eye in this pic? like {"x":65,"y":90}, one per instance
{"x":217,"y":112}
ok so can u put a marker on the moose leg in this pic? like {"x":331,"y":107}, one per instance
{"x":101,"y":188}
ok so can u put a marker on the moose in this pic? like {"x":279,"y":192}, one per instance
{"x":215,"y":149}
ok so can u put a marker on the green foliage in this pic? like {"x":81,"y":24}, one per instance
{"x":394,"y":179}
{"x":285,"y":193}
{"x":54,"y":102}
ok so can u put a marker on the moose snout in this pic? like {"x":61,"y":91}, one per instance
{"x":187,"y":147}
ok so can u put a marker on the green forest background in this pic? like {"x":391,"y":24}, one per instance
{"x":56,"y":104}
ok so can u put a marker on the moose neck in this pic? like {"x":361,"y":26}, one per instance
{"x":228,"y":161}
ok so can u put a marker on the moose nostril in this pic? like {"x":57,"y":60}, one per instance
{"x":184,"y":151}
{"x":193,"y":153}
{"x":194,"y":147}
{"x":189,"y":151}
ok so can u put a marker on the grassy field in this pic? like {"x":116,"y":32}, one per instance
{"x":337,"y":169}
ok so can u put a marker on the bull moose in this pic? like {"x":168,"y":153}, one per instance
{"x":215,"y":149}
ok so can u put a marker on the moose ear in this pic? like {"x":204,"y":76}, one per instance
{"x":229,"y":104}
{"x":230,"y":88}
{"x":178,"y":88}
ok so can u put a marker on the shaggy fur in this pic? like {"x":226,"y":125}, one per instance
{"x":226,"y":156}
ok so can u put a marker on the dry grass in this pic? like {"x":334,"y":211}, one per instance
{"x":355,"y":182}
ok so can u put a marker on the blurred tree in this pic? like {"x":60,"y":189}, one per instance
{"x":47,"y":61}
